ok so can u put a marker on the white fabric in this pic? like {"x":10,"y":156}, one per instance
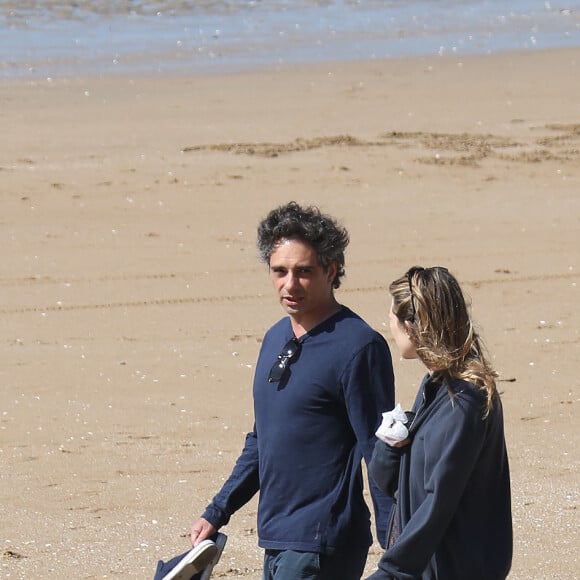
{"x":393,"y":428}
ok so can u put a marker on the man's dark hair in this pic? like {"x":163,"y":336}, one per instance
{"x":309,"y":225}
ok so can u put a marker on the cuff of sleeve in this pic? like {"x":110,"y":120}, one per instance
{"x":215,"y":516}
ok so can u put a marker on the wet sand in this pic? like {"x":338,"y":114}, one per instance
{"x":133,"y":302}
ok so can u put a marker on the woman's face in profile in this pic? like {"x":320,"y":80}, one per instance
{"x":400,"y":333}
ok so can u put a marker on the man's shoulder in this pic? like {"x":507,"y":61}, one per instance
{"x":354,"y":323}
{"x":279,"y":328}
{"x":354,"y":334}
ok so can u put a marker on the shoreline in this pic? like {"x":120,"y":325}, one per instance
{"x":247,"y":69}
{"x":173,"y":67}
{"x":167,"y":38}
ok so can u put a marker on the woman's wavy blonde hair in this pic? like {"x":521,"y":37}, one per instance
{"x":431,"y":303}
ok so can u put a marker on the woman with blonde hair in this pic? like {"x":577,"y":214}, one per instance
{"x":449,"y":468}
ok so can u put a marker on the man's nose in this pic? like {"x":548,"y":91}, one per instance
{"x":292,"y":280}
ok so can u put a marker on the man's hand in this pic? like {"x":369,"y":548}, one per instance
{"x":201,"y":530}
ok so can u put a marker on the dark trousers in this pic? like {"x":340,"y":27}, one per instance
{"x":348,"y":564}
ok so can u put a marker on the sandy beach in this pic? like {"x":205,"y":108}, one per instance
{"x":133,"y":303}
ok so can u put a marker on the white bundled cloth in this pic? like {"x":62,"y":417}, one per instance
{"x":393,"y":429}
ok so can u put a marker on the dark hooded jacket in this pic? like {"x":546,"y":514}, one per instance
{"x":453,"y":489}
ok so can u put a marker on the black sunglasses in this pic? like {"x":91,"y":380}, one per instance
{"x":288,"y":352}
{"x":417,"y":270}
{"x":410,"y":274}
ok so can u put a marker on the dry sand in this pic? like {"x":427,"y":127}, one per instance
{"x":133,"y":303}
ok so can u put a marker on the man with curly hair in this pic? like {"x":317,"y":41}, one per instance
{"x":322,"y":377}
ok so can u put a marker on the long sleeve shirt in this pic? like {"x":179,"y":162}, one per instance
{"x":311,"y":431}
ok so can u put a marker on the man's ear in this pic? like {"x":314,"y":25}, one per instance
{"x":332,"y":270}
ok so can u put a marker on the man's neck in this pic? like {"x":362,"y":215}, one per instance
{"x":300,"y":326}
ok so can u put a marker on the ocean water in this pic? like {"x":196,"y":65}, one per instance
{"x":59,"y":38}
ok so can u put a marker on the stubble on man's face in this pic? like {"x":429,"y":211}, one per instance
{"x":303,"y":286}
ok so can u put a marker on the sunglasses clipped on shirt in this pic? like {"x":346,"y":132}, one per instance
{"x":289,"y":352}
